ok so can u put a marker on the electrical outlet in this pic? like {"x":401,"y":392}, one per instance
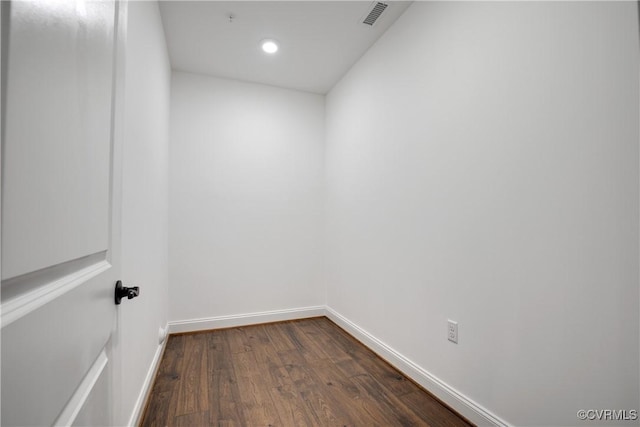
{"x":452,"y":331}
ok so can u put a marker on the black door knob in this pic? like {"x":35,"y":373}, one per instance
{"x":123,"y":291}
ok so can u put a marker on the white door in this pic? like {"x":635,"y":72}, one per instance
{"x":61,"y":120}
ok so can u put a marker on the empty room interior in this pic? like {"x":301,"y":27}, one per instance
{"x":316,"y":213}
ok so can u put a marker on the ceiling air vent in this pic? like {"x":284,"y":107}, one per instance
{"x":375,"y":10}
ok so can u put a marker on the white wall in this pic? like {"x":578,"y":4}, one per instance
{"x":246,"y":178}
{"x":482,"y":166}
{"x":145,"y":199}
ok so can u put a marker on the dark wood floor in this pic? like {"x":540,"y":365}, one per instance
{"x":299,"y":373}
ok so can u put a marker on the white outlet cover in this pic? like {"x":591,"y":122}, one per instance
{"x":452,"y":331}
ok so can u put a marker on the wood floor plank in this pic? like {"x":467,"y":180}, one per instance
{"x":297,"y":373}
{"x":385,"y":374}
{"x":353,"y":348}
{"x":219,"y":351}
{"x":238,"y":339}
{"x":193,"y":391}
{"x":246,"y":364}
{"x":258,"y":334}
{"x":395,"y":412}
{"x":296,"y":368}
{"x":331,"y":347}
{"x":312,"y":347}
{"x":326,"y":399}
{"x":291,"y":409}
{"x":318,"y":404}
{"x":331,"y":377}
{"x":432,"y":410}
{"x":170,"y":368}
{"x":193,"y":419}
{"x":270,"y":362}
{"x":257,"y":403}
{"x":279,"y":338}
{"x":161,"y":409}
{"x":224,"y":399}
{"x":342,"y":388}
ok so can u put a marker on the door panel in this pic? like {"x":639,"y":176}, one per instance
{"x":57,"y":129}
{"x":60,"y":210}
{"x":92,"y":412}
{"x":47,"y":353}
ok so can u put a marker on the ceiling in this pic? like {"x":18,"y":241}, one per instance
{"x":319,"y":40}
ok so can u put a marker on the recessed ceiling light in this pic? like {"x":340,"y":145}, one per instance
{"x":269,"y":46}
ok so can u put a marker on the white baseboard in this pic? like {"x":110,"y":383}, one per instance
{"x":146,"y":386}
{"x":456,"y":400}
{"x":235,"y":320}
